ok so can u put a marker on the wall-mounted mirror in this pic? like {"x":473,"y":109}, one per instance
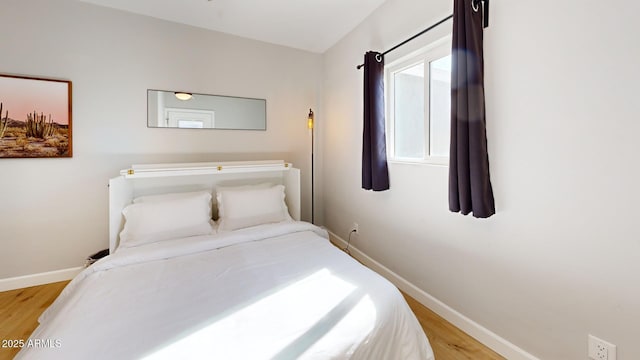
{"x":169,"y":109}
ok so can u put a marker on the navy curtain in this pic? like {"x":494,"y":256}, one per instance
{"x":469,"y":182}
{"x":375,"y":175}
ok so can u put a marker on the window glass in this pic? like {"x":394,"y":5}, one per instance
{"x":440,"y":106}
{"x":409,"y":112}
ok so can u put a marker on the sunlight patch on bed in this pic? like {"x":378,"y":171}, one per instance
{"x":320,"y":311}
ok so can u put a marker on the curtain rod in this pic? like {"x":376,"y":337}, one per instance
{"x":413,"y":37}
{"x":485,"y":4}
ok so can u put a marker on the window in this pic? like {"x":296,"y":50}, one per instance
{"x":419,"y":106}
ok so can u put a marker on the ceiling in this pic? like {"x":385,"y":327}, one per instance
{"x":312,"y":25}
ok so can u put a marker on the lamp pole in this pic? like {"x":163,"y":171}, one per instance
{"x":310,"y":125}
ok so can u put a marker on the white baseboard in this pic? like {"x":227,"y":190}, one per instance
{"x":20,"y":282}
{"x":475,"y":330}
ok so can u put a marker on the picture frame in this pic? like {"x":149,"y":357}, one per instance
{"x":35,"y":117}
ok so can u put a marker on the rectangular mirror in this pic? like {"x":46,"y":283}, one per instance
{"x":174,"y":109}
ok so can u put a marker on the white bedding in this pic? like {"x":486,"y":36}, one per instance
{"x":278,"y":291}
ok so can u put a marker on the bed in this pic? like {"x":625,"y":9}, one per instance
{"x":259,"y":284}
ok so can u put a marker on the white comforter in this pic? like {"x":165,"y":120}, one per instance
{"x":278,"y":291}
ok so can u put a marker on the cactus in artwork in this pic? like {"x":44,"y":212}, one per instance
{"x":4,"y":122}
{"x":37,"y":126}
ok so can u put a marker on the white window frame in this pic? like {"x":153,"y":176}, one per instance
{"x":431,"y":52}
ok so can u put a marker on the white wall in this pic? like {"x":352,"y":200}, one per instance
{"x":53,"y":212}
{"x":560,"y":259}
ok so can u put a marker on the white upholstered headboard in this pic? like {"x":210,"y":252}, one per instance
{"x":154,"y":179}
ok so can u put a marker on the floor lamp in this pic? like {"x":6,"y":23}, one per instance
{"x":310,"y":126}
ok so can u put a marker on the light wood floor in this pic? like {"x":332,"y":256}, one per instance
{"x":447,"y":341}
{"x":19,"y":312}
{"x":20,"y":309}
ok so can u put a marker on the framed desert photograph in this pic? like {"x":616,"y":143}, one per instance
{"x":35,"y":117}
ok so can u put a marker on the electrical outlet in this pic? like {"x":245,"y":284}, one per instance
{"x":355,"y":227}
{"x":600,"y":349}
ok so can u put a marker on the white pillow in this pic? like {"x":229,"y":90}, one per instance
{"x":168,"y":196}
{"x":154,"y":221}
{"x":172,"y":196}
{"x":220,"y":189}
{"x":251,"y":206}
